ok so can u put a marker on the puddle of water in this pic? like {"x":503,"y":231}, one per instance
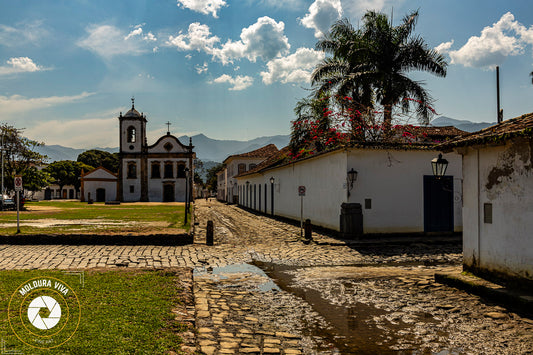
{"x":356,"y":328}
{"x":222,"y":272}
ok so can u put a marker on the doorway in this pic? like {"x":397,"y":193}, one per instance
{"x":100,"y":195}
{"x":438,"y":204}
{"x":168,"y":193}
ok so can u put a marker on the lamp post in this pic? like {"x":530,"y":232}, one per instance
{"x":186,"y":193}
{"x":439,"y":166}
{"x":352,"y":177}
{"x":272,"y":196}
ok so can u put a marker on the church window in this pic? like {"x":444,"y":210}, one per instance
{"x":251,"y":166}
{"x":132,"y":170}
{"x":168,"y":146}
{"x":169,"y":174}
{"x":242,"y":168}
{"x":132,"y":134}
{"x":156,"y":170}
{"x":181,"y":170}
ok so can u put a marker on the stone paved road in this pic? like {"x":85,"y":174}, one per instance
{"x":319,"y":301}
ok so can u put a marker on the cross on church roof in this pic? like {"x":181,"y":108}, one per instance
{"x":132,"y":102}
{"x":168,"y":127}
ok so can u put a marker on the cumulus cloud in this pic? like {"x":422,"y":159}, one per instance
{"x":17,"y":103}
{"x":295,"y":68}
{"x":198,"y":38}
{"x":444,"y":47}
{"x":108,"y":41}
{"x":504,"y":38}
{"x":19,"y":65}
{"x":264,"y":39}
{"x":321,"y":15}
{"x":205,"y":7}
{"x":238,"y":83}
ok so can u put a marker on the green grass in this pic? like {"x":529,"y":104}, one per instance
{"x":122,"y":312}
{"x":141,"y":218}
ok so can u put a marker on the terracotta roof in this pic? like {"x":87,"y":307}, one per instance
{"x":262,"y":152}
{"x":497,"y":134}
{"x":429,"y":133}
{"x":274,"y":159}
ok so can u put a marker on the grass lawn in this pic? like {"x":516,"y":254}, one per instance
{"x":122,"y":312}
{"x":72,"y":217}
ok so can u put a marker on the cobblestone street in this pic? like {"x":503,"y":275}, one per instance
{"x":261,"y":290}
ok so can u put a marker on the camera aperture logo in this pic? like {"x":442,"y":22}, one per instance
{"x":44,"y":312}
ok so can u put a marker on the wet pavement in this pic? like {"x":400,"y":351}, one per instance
{"x":261,"y":290}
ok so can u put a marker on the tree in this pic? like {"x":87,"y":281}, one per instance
{"x":97,"y":158}
{"x":211,"y":178}
{"x":67,"y":172}
{"x":20,"y":158}
{"x":371,"y":65}
{"x":311,"y":117}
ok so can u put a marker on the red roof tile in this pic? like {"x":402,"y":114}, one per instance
{"x":262,"y":152}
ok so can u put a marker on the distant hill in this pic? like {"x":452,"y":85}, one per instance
{"x":206,"y":149}
{"x":464,"y":125}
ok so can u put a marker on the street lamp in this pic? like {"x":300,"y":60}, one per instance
{"x":352,"y":177}
{"x":272,"y":196}
{"x":186,"y":193}
{"x":439,"y":166}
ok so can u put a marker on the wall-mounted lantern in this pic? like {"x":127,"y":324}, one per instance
{"x":439,"y":166}
{"x":272,"y":196}
{"x":351,"y":177}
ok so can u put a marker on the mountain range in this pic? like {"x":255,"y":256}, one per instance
{"x":216,"y":150}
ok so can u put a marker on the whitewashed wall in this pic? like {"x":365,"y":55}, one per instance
{"x":110,"y":187}
{"x":394,"y":181}
{"x":501,"y":176}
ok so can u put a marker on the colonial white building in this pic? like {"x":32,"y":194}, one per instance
{"x":238,"y":164}
{"x":160,"y":172}
{"x":394,"y":190}
{"x":99,"y":185}
{"x":498,"y":199}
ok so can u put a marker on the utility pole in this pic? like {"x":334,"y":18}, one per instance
{"x":499,"y":111}
{"x":2,"y":191}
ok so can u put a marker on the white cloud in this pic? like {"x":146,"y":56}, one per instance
{"x":197,"y":38}
{"x":108,"y":41}
{"x":283,"y":4}
{"x":444,"y":47}
{"x":295,"y":68}
{"x":238,"y":83}
{"x":356,"y":9}
{"x":504,"y":38}
{"x":205,"y":7}
{"x":264,"y":39}
{"x":24,"y":33}
{"x":200,"y":69}
{"x":322,"y":14}
{"x":19,"y":65}
{"x":17,"y":103}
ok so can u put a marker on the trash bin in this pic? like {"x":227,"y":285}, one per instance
{"x":351,"y":220}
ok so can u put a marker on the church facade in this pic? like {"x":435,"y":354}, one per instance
{"x":161,"y":172}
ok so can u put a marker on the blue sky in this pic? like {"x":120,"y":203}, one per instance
{"x":230,"y":69}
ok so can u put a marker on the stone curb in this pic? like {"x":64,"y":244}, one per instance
{"x":96,"y":239}
{"x":519,"y":301}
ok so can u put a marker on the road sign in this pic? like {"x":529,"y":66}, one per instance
{"x":18,"y":183}
{"x":301,"y":190}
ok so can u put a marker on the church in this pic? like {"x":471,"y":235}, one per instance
{"x":161,"y":172}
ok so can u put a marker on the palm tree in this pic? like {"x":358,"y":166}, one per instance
{"x":372,"y":64}
{"x":309,"y":112}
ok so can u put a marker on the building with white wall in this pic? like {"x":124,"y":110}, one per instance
{"x":237,"y":164}
{"x":395,"y":188}
{"x":99,"y":185}
{"x":498,"y":198}
{"x":161,"y":172}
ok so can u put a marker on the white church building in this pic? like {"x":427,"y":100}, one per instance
{"x":161,"y":172}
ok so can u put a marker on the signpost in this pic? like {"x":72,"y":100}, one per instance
{"x":301,"y":193}
{"x":18,"y":189}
